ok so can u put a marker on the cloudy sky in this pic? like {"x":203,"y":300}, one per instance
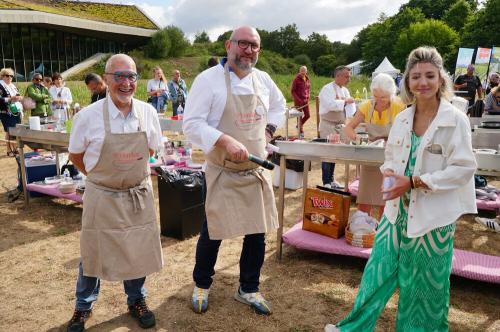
{"x":338,"y":19}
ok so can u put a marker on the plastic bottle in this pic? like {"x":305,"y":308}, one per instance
{"x":180,"y":112}
{"x":66,"y":175}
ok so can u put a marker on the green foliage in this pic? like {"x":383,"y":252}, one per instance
{"x":159,"y":45}
{"x":272,"y":62}
{"x":201,"y":38}
{"x":483,"y":28}
{"x":435,"y":8}
{"x":325,"y":65}
{"x":284,"y":41}
{"x":225,"y":36}
{"x":317,"y":45}
{"x":458,"y":15}
{"x":303,"y":60}
{"x":430,"y":33}
{"x":178,"y":42}
{"x":197,"y":50}
{"x":217,"y":48}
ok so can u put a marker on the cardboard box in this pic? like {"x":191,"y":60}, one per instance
{"x":326,"y":212}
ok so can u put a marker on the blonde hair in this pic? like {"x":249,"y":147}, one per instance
{"x":161,"y":71}
{"x":6,"y":71}
{"x":428,"y":55}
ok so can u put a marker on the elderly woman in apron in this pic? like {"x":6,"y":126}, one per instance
{"x":378,"y":115}
{"x":120,"y":239}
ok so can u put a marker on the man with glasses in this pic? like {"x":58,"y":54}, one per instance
{"x":40,"y":95}
{"x":232,"y":111}
{"x":111,"y":142}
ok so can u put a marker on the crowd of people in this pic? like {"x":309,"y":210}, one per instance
{"x":232,"y":112}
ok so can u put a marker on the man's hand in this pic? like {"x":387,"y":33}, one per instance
{"x":349,"y":100}
{"x":237,"y":152}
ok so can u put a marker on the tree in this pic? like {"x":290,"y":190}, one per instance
{"x":483,"y":28}
{"x":202,"y":38}
{"x":325,"y":64}
{"x":458,"y":15}
{"x":225,"y":36}
{"x":159,"y":45}
{"x":436,"y":8}
{"x":317,"y":45}
{"x":178,"y":42}
{"x":429,"y":33}
{"x":303,"y":60}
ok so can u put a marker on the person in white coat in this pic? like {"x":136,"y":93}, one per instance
{"x":430,"y":160}
{"x":61,"y":98}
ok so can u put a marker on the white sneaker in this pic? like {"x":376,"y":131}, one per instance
{"x":254,"y":300}
{"x":492,"y":224}
{"x":337,"y":185}
{"x":327,"y":185}
{"x":331,"y":328}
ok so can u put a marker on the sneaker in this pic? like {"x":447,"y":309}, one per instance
{"x":492,"y":224}
{"x":140,"y":310}
{"x":336,"y":185}
{"x":331,"y":328}
{"x":77,"y":322}
{"x":199,"y":299}
{"x":255,"y":300}
{"x":327,"y":185}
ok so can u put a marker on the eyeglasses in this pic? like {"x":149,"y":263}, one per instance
{"x":37,"y":79}
{"x":121,"y":76}
{"x":244,"y":44}
{"x":8,"y":75}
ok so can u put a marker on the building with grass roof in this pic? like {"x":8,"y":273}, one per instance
{"x":49,"y":36}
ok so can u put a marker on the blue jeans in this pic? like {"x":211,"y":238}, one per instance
{"x":160,"y":103}
{"x":251,"y":259}
{"x":327,"y":170}
{"x":87,"y":290}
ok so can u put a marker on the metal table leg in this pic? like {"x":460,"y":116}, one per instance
{"x":24,"y":180}
{"x":281,"y":207}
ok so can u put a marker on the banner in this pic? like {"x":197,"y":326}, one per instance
{"x":464,"y":59}
{"x":495,"y":60}
{"x":482,"y":62}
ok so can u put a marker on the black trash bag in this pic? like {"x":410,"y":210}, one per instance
{"x":181,"y":179}
{"x":480,"y":181}
{"x":295,"y":165}
{"x":73,"y":171}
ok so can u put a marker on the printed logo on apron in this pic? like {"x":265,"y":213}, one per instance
{"x":124,"y":161}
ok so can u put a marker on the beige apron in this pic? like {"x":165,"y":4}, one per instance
{"x":120,"y":239}
{"x":240,"y":197}
{"x":331,"y":122}
{"x":370,"y":180}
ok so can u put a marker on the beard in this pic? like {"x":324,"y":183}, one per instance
{"x":244,"y":66}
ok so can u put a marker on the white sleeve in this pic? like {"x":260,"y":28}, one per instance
{"x":327,"y":101}
{"x":78,"y":139}
{"x":195,"y":121}
{"x":68,"y":98}
{"x":277,"y":104}
{"x":155,"y":133}
{"x":150,"y":86}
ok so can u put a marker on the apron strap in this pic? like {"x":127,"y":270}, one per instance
{"x":105,"y":114}
{"x":138,"y":194}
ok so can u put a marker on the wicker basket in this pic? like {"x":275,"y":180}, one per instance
{"x":363,"y":241}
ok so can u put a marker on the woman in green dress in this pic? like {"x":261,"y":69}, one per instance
{"x":430,"y":160}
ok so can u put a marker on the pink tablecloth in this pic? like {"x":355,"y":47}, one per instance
{"x":52,"y":190}
{"x":466,"y":264}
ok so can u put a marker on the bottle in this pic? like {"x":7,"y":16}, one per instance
{"x":180,"y":112}
{"x":66,"y":175}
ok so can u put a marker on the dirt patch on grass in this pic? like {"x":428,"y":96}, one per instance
{"x":39,"y":255}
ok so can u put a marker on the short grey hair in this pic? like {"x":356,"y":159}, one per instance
{"x":340,"y":69}
{"x":430,"y":55}
{"x":385,"y":83}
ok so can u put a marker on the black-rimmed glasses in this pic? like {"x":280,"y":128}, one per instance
{"x":244,"y":44}
{"x":121,"y":76}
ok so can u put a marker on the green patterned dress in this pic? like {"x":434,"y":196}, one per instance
{"x":420,"y":266}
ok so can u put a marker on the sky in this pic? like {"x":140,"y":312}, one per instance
{"x":340,"y":20}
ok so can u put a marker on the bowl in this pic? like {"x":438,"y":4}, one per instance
{"x":67,"y":187}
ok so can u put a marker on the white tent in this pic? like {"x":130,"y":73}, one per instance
{"x":386,"y":67}
{"x":355,"y":67}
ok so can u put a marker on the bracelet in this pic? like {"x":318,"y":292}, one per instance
{"x":412,"y":183}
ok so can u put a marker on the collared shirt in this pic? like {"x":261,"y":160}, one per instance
{"x":331,"y":99}
{"x":386,"y":116}
{"x":60,"y":93}
{"x":207,"y":100}
{"x":87,"y":133}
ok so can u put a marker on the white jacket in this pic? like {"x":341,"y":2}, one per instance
{"x":445,"y":163}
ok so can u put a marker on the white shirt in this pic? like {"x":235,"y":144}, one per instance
{"x":332,"y":99}
{"x":207,"y":100}
{"x":65,"y":95}
{"x":445,"y":163}
{"x":156,"y":84}
{"x":87,"y":133}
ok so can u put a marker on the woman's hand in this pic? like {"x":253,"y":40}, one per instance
{"x":401,"y":185}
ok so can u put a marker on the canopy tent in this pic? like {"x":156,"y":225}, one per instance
{"x":355,"y":67}
{"x":386,"y":67}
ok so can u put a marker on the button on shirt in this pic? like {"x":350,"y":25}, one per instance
{"x":87,"y":133}
{"x":207,"y":100}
